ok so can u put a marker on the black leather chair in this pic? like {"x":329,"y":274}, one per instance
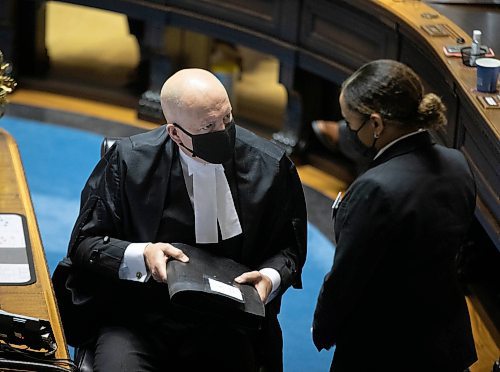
{"x":84,"y":358}
{"x":107,"y":142}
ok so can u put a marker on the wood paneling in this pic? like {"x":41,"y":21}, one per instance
{"x":342,"y":33}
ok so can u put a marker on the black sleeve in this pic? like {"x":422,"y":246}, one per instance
{"x":362,"y":223}
{"x":290,"y":239}
{"x":96,"y":241}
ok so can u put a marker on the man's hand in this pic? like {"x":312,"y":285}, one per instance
{"x":156,"y":256}
{"x":261,"y":282}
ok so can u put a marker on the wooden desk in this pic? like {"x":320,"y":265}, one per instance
{"x":471,"y":128}
{"x":37,"y":299}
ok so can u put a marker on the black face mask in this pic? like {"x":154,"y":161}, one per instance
{"x":358,"y":146}
{"x":213,"y":147}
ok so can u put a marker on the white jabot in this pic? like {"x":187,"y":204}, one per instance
{"x":212,"y":201}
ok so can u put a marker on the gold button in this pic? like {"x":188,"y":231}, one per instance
{"x":138,"y":275}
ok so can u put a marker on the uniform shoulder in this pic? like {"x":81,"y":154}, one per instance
{"x":452,"y":154}
{"x":152,"y":138}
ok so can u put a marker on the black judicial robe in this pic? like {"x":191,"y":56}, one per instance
{"x":392,"y":301}
{"x":124,"y":201}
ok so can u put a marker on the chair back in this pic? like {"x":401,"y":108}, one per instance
{"x":84,"y":355}
{"x":107,"y":142}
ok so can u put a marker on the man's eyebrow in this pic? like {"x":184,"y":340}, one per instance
{"x":213,"y":122}
{"x":208,"y":124}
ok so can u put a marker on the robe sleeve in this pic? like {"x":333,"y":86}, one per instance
{"x":96,"y":244}
{"x":289,"y":235}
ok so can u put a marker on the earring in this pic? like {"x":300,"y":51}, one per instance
{"x":376,"y":135}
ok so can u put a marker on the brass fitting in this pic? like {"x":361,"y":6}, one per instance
{"x":7,"y":84}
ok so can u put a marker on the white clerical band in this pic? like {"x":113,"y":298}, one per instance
{"x":204,"y":204}
{"x":212,"y":202}
{"x":229,"y":222}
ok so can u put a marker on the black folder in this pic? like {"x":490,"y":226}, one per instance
{"x":206,"y":285}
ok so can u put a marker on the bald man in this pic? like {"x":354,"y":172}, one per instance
{"x":199,"y":180}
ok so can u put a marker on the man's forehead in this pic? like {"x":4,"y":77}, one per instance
{"x":199,"y":116}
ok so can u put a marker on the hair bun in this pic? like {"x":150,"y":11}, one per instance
{"x":431,"y":112}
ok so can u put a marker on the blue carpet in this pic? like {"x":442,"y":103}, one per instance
{"x":57,"y":161}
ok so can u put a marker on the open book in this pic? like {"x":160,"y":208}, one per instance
{"x":206,"y":285}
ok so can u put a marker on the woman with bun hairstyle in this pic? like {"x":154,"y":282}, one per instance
{"x":391,"y":301}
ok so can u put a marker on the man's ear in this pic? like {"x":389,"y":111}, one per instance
{"x":173,"y":133}
{"x":377,"y":123}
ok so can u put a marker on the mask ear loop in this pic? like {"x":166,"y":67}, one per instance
{"x":183,"y":145}
{"x":191,"y":151}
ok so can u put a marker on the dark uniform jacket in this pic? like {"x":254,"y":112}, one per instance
{"x":129,"y":198}
{"x":391,"y":301}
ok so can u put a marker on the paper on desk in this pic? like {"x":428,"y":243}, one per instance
{"x":224,"y":288}
{"x":11,"y":231}
{"x":14,"y":273}
{"x":14,"y":266}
